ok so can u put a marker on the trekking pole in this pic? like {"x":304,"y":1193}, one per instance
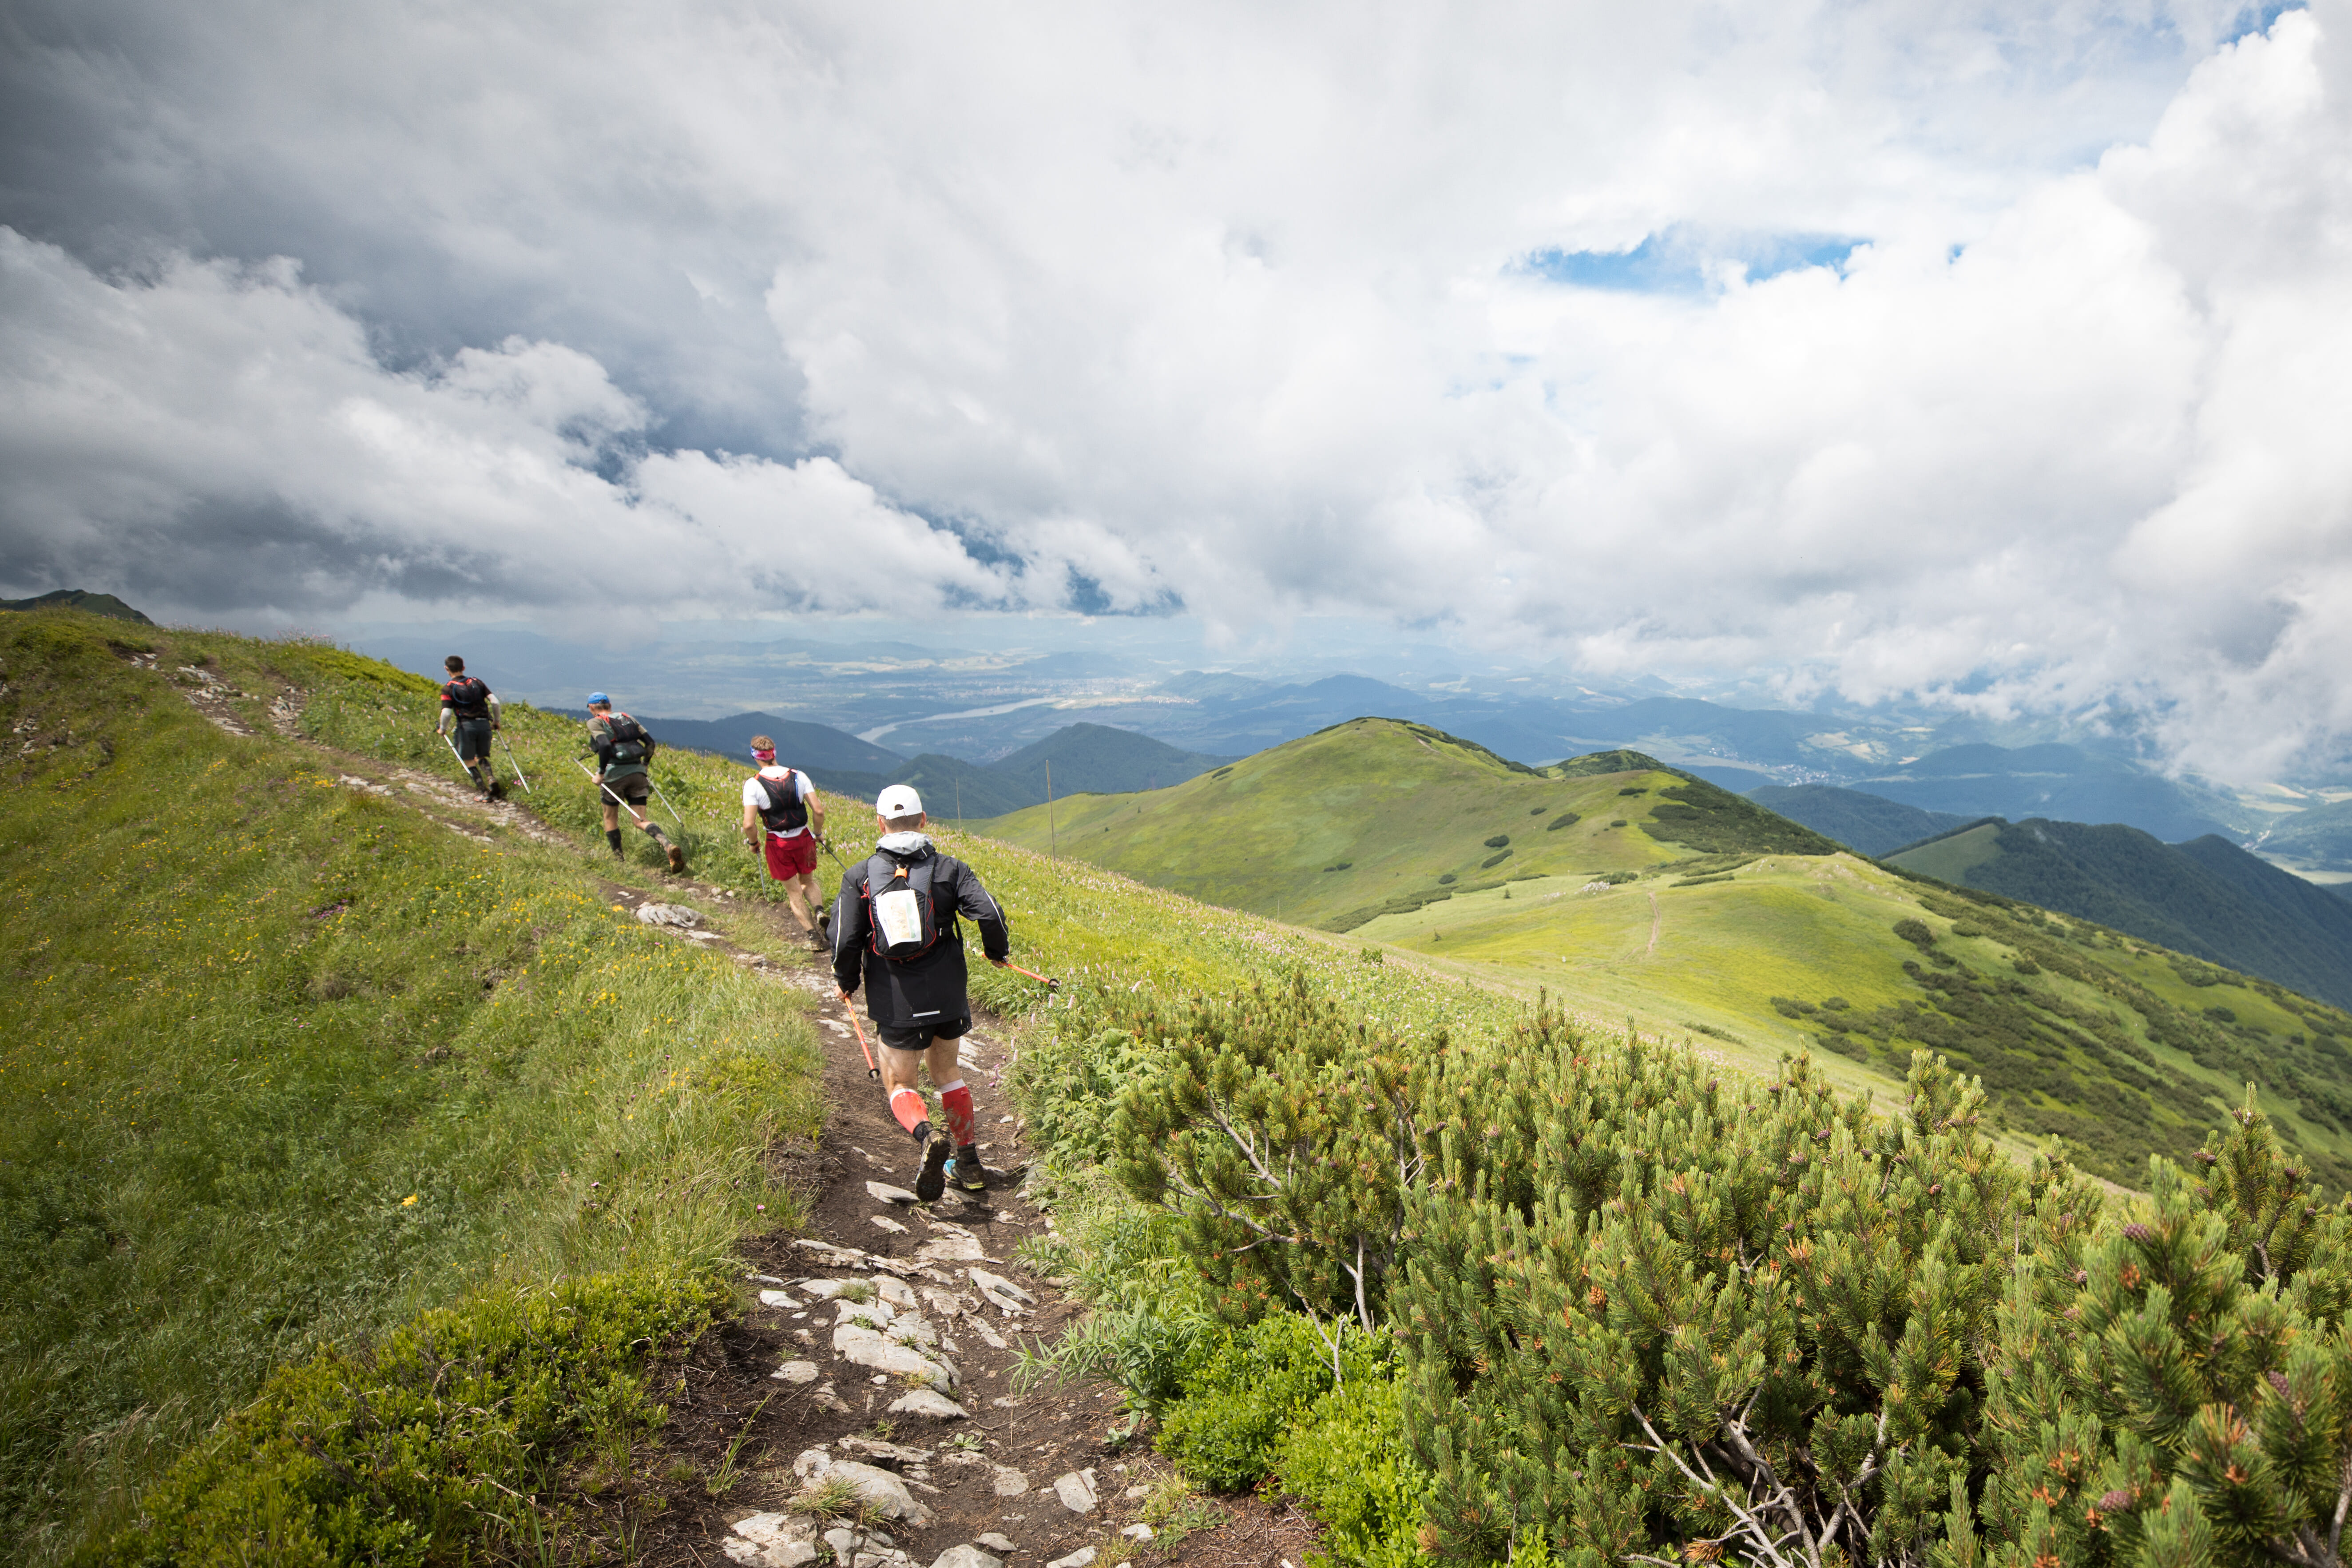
{"x":1048,"y":984}
{"x":516,"y":764}
{"x":849,"y":1008}
{"x":600,"y":784}
{"x":461,"y":759}
{"x":665,"y":800}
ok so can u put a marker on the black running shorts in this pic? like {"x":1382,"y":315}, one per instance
{"x":474,"y":739}
{"x":634,"y":788}
{"x":919,"y":1036}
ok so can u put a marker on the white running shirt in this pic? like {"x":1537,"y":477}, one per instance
{"x":758,"y":799}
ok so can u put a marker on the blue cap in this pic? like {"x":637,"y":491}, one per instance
{"x":596,"y":696}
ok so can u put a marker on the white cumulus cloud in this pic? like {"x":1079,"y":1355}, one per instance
{"x":1243,"y":310}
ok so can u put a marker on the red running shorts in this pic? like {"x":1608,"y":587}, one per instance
{"x":789,"y":857}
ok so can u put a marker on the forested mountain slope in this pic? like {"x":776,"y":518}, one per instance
{"x":2206,"y":897}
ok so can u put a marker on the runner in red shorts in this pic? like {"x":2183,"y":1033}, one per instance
{"x":784,"y":816}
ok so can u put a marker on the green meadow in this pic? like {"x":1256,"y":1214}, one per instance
{"x":307,"y":1084}
{"x":300,"y":1074}
{"x":1626,"y":892}
{"x":290,"y":1064}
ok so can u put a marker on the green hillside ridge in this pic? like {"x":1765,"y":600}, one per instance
{"x":290,"y":1064}
{"x":279,"y":1008}
{"x":2206,"y":897}
{"x":1333,"y":829}
{"x":1724,"y":920}
{"x":80,"y":599}
{"x":276,"y":914}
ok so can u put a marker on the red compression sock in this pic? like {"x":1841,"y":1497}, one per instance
{"x":908,"y":1106}
{"x":956,"y":1101}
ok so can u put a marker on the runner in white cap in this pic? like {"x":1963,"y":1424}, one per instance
{"x":895,"y":927}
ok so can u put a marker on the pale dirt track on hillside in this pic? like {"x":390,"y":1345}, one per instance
{"x":991,"y":1470}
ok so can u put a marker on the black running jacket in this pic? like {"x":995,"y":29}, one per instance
{"x":929,"y":989}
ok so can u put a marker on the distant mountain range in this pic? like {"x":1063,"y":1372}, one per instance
{"x":2206,"y":897}
{"x":981,"y":705}
{"x":1869,"y":824}
{"x":818,"y":748}
{"x":1077,"y":759}
{"x":2064,"y":783}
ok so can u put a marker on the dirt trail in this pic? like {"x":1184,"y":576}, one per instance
{"x":880,"y":1356}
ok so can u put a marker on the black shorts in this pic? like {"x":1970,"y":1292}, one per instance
{"x":634,"y":788}
{"x":474,"y":739}
{"x":919,"y":1036}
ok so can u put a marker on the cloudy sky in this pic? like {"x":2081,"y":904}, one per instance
{"x":1997,"y":352}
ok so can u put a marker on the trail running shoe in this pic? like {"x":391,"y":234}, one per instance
{"x":933,"y":1179}
{"x":964,"y":1173}
{"x":676,"y":858}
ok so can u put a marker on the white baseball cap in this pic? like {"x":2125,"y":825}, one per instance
{"x":897,"y":801}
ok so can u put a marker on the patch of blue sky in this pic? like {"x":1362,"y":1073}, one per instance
{"x":1676,"y":262}
{"x":2257,"y":19}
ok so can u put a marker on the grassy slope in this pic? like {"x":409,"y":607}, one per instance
{"x":1350,"y":817}
{"x":290,"y":1063}
{"x":599,"y":991}
{"x":2107,"y":1042}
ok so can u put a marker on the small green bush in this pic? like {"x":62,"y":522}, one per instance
{"x":1498,"y":841}
{"x":1222,"y":1434}
{"x":1496,"y":858}
{"x":385,"y":1456}
{"x":1447,"y":880}
{"x":1914,"y":931}
{"x":1087,"y":1073}
{"x":1345,"y":1459}
{"x":1565,"y":819}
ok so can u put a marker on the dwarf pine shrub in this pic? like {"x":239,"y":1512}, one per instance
{"x":1642,"y":1313}
{"x":1280,"y":1127}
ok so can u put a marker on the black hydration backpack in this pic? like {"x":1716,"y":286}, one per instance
{"x":631,"y":741}
{"x":902,"y":923}
{"x":470,"y":697}
{"x":786,"y":812}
